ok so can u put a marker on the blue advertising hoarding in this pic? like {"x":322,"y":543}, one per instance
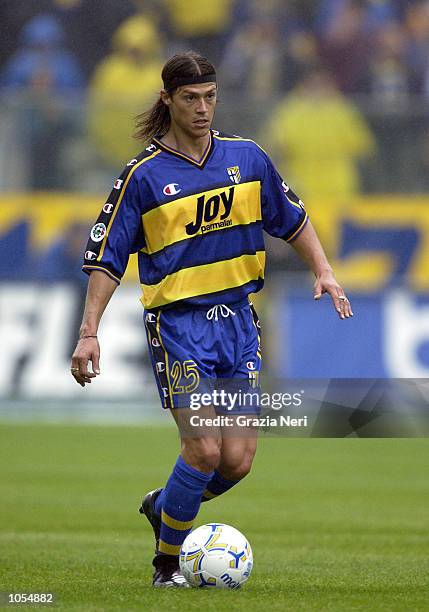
{"x":387,"y":337}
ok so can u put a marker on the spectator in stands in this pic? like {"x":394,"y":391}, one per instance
{"x":346,"y":46}
{"x":301,"y":55}
{"x":417,"y":42}
{"x":42,"y":63}
{"x":202,"y":26}
{"x":319,"y":136}
{"x":122,"y":85}
{"x":390,"y":82}
{"x":13,"y":16}
{"x":326,"y":13}
{"x":382,"y":12}
{"x":393,"y":83}
{"x":43,"y":79}
{"x":254,"y":59}
{"x":376,"y":12}
{"x":90,"y":25}
{"x":270,"y":47}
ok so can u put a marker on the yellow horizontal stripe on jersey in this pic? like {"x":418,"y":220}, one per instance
{"x":166,"y":224}
{"x":121,"y":195}
{"x":205,"y":279}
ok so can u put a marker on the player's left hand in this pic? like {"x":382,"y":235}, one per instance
{"x":326,"y":283}
{"x":87,"y":350}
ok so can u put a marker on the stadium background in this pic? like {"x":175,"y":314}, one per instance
{"x":336,"y":90}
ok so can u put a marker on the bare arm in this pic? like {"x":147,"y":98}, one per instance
{"x":308,"y":246}
{"x":100,"y":289}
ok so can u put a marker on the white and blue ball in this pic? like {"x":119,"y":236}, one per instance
{"x":216,"y":555}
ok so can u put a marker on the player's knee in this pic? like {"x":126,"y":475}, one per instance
{"x":207,"y":456}
{"x":242,"y":470}
{"x":202,"y":453}
{"x":245,"y":467}
{"x":239,"y":469}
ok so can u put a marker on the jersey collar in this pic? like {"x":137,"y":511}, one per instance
{"x":199,"y":163}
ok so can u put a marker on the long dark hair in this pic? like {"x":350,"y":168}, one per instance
{"x":156,"y":120}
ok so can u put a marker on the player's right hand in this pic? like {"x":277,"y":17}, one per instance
{"x":87,"y":350}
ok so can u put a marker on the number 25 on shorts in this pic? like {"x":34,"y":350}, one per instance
{"x":181,"y":372}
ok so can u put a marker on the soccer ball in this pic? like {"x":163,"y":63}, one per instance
{"x":216,"y":555}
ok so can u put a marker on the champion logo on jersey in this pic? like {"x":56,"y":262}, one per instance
{"x":171,"y":189}
{"x":118,"y":184}
{"x":107,"y":208}
{"x":285,"y":187}
{"x":234,"y":174}
{"x":90,"y":255}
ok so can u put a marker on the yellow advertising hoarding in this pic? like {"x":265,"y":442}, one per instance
{"x":373,"y":242}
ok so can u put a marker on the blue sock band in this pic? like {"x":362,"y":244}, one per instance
{"x":217,"y":485}
{"x":178,"y":503}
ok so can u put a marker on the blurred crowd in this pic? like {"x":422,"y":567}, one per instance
{"x":336,"y":89}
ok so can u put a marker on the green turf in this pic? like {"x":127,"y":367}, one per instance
{"x":334,"y":524}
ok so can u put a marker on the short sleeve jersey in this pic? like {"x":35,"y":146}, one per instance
{"x":197,"y":226}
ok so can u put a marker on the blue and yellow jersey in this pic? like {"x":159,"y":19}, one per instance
{"x":197,"y":226}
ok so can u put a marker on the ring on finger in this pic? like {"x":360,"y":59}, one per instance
{"x":343,"y":298}
{"x":74,"y":369}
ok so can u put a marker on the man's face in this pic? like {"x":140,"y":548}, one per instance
{"x":192,"y":108}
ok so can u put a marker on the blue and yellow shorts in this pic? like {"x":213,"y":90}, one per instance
{"x":195,"y":351}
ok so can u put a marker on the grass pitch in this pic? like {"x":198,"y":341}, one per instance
{"x":335,"y":524}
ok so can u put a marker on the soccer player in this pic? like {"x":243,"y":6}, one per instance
{"x":194,"y":205}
